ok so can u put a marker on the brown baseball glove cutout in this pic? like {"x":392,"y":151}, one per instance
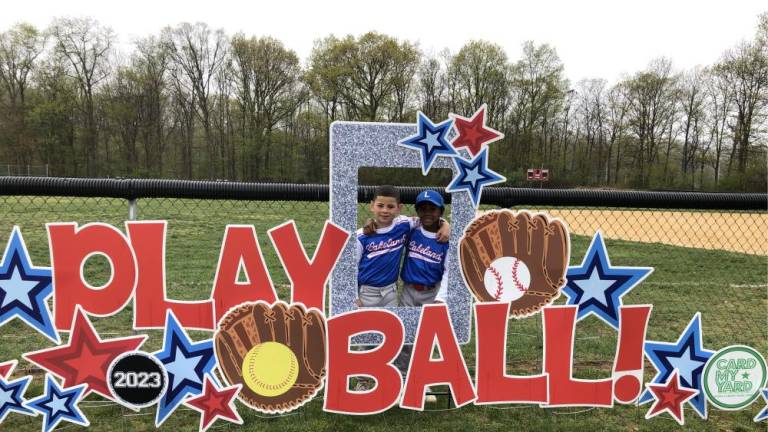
{"x":542,"y":244}
{"x":251,"y":324}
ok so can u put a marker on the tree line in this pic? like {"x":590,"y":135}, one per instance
{"x":192,"y":102}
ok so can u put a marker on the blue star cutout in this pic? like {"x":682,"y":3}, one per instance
{"x":186,"y":362}
{"x":473,"y":176}
{"x":763,"y":415}
{"x":431,"y":140}
{"x":597,"y":287}
{"x":687,"y":356}
{"x":12,"y":397}
{"x":24,"y":288}
{"x":59,"y":404}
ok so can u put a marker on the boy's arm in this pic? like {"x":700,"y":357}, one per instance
{"x":370,"y":227}
{"x":442,"y":292}
{"x":358,"y":250}
{"x":444,"y":232}
{"x":414,"y":221}
{"x":358,"y":255}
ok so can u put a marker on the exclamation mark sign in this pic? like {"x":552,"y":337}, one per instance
{"x":628,"y":368}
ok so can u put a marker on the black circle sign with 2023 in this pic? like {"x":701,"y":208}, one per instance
{"x":137,"y":379}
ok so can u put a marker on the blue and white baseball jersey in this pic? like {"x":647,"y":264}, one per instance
{"x":425,"y":260}
{"x":378,"y":255}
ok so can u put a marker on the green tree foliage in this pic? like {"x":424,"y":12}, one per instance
{"x":192,"y":102}
{"x":269,"y":91}
{"x":20,"y":48}
{"x":479,"y":73}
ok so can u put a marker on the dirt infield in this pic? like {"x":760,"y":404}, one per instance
{"x":736,"y":232}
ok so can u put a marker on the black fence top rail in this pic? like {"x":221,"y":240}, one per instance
{"x":499,"y":196}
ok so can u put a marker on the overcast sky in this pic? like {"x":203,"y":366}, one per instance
{"x":593,"y":38}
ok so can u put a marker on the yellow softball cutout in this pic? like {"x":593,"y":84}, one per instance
{"x":270,"y":369}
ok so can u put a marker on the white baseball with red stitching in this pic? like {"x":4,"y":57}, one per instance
{"x":507,"y":279}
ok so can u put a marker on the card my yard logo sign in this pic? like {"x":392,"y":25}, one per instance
{"x":274,"y":355}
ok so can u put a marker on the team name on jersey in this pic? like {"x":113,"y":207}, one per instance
{"x":382,"y":247}
{"x":425,"y":251}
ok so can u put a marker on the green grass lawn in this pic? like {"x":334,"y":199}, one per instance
{"x":728,"y":288}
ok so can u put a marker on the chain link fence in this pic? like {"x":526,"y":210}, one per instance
{"x":712,"y":261}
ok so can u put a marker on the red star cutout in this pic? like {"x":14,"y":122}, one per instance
{"x":86,"y":358}
{"x":473,"y":133}
{"x":670,"y":397}
{"x":7,"y":367}
{"x":215,"y":404}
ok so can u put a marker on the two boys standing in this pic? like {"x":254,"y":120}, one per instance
{"x":379,"y":248}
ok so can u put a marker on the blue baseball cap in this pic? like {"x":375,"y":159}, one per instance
{"x":430,"y":196}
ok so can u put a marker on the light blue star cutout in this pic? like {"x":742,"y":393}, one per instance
{"x":186,"y":363}
{"x":431,"y":140}
{"x":12,"y":397}
{"x":687,"y":356}
{"x":25,"y":288}
{"x":473,"y":176}
{"x":597,"y":287}
{"x":763,"y":415}
{"x":58,"y":404}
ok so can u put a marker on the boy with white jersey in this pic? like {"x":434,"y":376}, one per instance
{"x":378,"y":252}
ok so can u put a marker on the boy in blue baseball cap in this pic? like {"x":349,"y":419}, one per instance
{"x":423,"y":271}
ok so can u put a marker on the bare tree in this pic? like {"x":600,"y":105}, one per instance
{"x":651,"y":109}
{"x":720,"y":104}
{"x":745,"y":68}
{"x":431,"y":88}
{"x":617,"y":107}
{"x":196,"y":54}
{"x":151,"y":64}
{"x":124,"y":99}
{"x":592,"y":110}
{"x":88,"y":46}
{"x":693,"y":99}
{"x":183,"y":114}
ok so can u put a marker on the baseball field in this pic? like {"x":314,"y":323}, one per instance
{"x":735,"y":232}
{"x":698,"y":267}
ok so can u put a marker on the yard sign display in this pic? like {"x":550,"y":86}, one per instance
{"x":275,"y":355}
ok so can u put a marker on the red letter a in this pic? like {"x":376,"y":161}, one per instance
{"x":435,"y":329}
{"x":240,"y":249}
